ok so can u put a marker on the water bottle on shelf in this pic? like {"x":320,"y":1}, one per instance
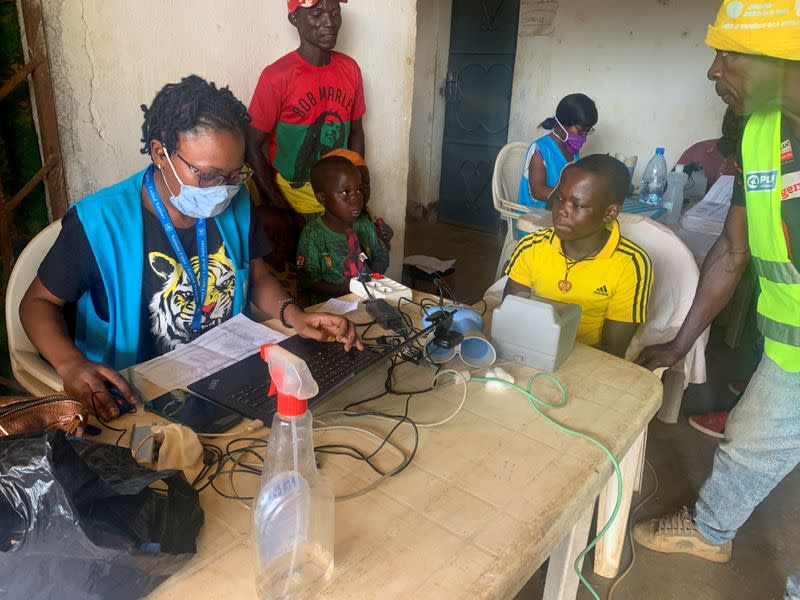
{"x":293,"y":514}
{"x":673,"y":197}
{"x":654,"y":179}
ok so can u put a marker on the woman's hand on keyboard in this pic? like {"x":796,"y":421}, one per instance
{"x":326,"y":327}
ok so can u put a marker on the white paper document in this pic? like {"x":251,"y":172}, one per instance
{"x":338,"y":307}
{"x":429,"y":264}
{"x":224,"y":345}
{"x":710,"y":213}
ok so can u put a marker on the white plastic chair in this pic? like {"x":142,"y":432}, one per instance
{"x":505,"y":189}
{"x":676,"y":277}
{"x":28,"y":367}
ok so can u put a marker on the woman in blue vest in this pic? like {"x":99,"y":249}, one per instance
{"x":121,"y":283}
{"x":576,"y":116}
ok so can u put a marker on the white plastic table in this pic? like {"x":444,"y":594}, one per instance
{"x":489,"y":497}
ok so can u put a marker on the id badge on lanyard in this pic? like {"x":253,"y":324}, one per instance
{"x":199,"y":288}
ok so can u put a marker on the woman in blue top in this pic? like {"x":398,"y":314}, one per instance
{"x":576,"y":116}
{"x":150,"y":263}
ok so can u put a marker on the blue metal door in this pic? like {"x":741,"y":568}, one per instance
{"x":483,"y":44}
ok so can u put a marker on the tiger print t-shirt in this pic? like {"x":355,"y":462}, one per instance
{"x":69,"y":269}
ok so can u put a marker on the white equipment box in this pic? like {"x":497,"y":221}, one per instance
{"x":538,"y":331}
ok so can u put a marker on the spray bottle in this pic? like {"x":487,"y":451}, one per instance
{"x":293,"y":515}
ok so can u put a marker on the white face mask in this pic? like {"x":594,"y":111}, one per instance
{"x":197,"y":202}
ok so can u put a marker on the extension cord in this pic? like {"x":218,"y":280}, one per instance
{"x":380,"y":286}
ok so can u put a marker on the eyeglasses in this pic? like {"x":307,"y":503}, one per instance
{"x":205,"y":180}
{"x":585,"y":131}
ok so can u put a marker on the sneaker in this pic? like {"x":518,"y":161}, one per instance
{"x":712,"y":424}
{"x":677,"y":533}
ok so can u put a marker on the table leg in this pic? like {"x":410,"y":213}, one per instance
{"x":608,"y":552}
{"x":562,"y":581}
{"x":673,"y":380}
{"x":637,"y":486}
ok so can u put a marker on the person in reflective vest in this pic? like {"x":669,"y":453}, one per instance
{"x":756,"y":72}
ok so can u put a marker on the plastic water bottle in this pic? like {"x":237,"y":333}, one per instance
{"x":673,"y":197}
{"x":654,"y":179}
{"x":293,"y":515}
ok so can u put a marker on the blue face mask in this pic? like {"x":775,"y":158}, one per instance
{"x":200,"y":203}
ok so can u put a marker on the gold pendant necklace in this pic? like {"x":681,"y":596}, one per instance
{"x":565,"y":285}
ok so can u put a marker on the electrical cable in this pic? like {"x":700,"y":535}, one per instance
{"x":384,"y":475}
{"x":534,"y":401}
{"x":239,"y":456}
{"x":629,"y":568}
{"x":386,"y":416}
{"x":105,"y":424}
{"x":397,"y":470}
{"x":216,"y":468}
{"x":231,"y":455}
{"x":460,"y":405}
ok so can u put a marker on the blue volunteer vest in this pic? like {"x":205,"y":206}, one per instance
{"x":554,"y":161}
{"x":112,"y":221}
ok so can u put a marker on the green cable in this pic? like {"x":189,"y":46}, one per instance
{"x":534,"y":401}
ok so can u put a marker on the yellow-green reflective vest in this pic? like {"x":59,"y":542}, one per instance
{"x":779,"y":302}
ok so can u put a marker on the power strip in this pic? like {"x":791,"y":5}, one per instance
{"x":380,"y":286}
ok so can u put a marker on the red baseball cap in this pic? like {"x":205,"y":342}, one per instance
{"x":295,"y":4}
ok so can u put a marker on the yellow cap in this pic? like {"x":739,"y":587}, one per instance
{"x":763,"y":28}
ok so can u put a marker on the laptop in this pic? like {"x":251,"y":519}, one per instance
{"x":244,"y":386}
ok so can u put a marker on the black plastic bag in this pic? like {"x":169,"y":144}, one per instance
{"x":78,"y":520}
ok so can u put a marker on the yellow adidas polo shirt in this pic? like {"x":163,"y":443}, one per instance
{"x":615,"y":284}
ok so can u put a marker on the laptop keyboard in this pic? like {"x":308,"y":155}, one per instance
{"x":329,"y":367}
{"x":244,"y":387}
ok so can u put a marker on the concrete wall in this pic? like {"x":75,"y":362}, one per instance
{"x":642,"y":61}
{"x":111,"y":56}
{"x":427,"y":125}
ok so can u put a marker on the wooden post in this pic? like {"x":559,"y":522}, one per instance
{"x":45,"y":107}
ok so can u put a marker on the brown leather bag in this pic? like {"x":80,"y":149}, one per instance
{"x":21,"y":415}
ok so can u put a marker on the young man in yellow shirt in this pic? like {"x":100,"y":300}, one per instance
{"x":584,"y":260}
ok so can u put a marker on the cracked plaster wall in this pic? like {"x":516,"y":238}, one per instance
{"x":427,"y":127}
{"x":110,"y":56}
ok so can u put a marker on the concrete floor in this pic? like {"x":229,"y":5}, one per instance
{"x":766,"y":549}
{"x":476,"y":254}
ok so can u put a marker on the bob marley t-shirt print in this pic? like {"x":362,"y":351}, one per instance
{"x":307,"y":111}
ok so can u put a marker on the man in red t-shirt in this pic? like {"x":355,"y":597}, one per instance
{"x":306,"y":104}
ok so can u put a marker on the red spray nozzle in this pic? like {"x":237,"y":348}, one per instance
{"x":290,"y":378}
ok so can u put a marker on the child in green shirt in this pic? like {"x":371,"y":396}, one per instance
{"x":328,"y":254}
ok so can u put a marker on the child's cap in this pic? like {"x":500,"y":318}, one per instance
{"x":351,"y":155}
{"x":295,"y":4}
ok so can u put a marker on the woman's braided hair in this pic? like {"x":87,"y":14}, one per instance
{"x":187,"y":106}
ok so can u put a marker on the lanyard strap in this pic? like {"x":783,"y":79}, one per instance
{"x":199,"y":288}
